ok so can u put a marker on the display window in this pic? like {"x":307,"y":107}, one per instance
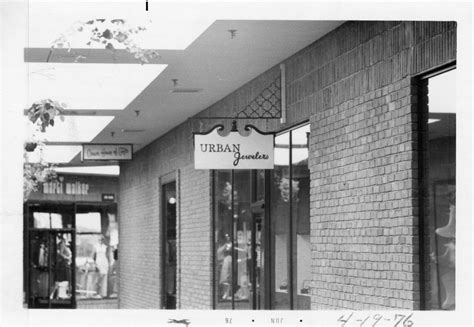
{"x":261,"y":231}
{"x":438,"y":169}
{"x":49,"y":254}
{"x":70,"y":253}
{"x":235,"y":243}
{"x":290,"y":216}
{"x":97,"y":252}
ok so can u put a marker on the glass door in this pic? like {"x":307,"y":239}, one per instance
{"x":239,"y":239}
{"x":290,"y":222}
{"x":169,"y":244}
{"x":50,"y":255}
{"x":50,"y":270}
{"x":256,"y":265}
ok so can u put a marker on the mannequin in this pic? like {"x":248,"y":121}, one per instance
{"x":102,"y":264}
{"x":448,"y":259}
{"x":450,"y":229}
{"x":43,"y":255}
{"x":225,"y":252}
{"x":448,"y":278}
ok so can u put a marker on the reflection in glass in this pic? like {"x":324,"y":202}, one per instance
{"x":233,"y":240}
{"x":441,"y":172}
{"x":62,"y":274}
{"x":242,"y":237}
{"x":280,"y":210}
{"x":223,"y":229}
{"x":96,"y":253}
{"x":300,"y":204}
{"x":50,"y":269}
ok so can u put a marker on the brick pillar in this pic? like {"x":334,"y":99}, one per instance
{"x":363,"y":205}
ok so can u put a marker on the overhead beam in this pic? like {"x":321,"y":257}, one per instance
{"x":95,"y":56}
{"x":87,"y":112}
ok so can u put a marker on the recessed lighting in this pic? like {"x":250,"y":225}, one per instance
{"x":186,"y":90}
{"x":125,"y":130}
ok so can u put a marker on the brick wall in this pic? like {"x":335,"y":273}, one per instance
{"x":363,"y":182}
{"x":139,"y":240}
{"x":355,"y":84}
{"x":195,"y":239}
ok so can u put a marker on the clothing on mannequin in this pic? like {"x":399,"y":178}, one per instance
{"x":449,"y":230}
{"x":226,"y":280}
{"x":447,"y":260}
{"x":225,"y":252}
{"x":102,"y":264}
{"x":43,"y":256}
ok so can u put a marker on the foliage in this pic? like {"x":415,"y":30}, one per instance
{"x":111,"y":34}
{"x":44,"y":112}
{"x":34,"y":174}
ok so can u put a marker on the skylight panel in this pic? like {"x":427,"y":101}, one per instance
{"x":89,"y":86}
{"x":55,"y":153}
{"x":91,"y":170}
{"x":73,"y":129}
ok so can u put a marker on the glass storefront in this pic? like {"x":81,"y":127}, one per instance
{"x":235,"y":240}
{"x":261,"y":230}
{"x":440,"y":189}
{"x":290,"y":216}
{"x":71,"y":253}
{"x":97,"y":252}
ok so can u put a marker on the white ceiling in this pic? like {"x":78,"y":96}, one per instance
{"x":214,"y":62}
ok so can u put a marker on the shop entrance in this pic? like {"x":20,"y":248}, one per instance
{"x":169,"y":244}
{"x":262,"y":252}
{"x":70,"y":255}
{"x":50,"y":278}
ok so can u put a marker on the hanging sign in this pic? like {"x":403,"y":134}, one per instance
{"x":233,"y":151}
{"x":107,"y":152}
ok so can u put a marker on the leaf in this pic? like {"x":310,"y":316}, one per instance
{"x":107,"y":34}
{"x":109,"y":46}
{"x":100,"y":20}
{"x":90,"y":22}
{"x":51,"y":122}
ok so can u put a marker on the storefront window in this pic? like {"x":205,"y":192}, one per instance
{"x":233,"y":236}
{"x":49,"y":279}
{"x":440,"y":171}
{"x":300,"y":203}
{"x":290,"y":215}
{"x":280,"y":215}
{"x":96,"y":252}
{"x":262,"y":231}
